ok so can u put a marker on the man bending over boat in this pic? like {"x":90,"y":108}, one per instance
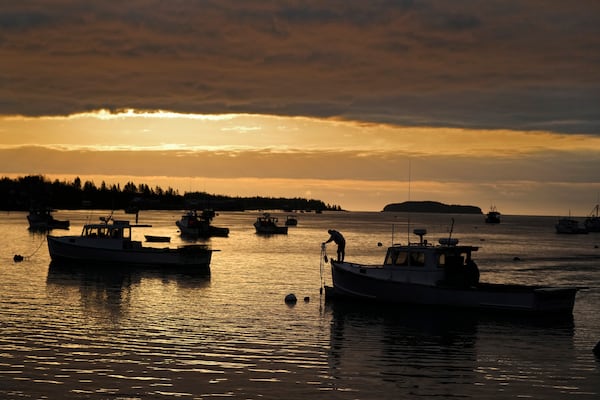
{"x":338,"y":238}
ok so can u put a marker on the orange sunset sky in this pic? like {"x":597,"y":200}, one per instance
{"x":473,"y":102}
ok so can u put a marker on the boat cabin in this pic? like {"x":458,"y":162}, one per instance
{"x":446,"y":263}
{"x":428,"y":255}
{"x":116,"y":230}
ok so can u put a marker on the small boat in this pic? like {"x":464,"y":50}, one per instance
{"x":569,"y":226}
{"x":291,"y":220}
{"x":193,"y":224}
{"x":592,"y":222}
{"x":493,"y":216}
{"x":442,"y":275}
{"x":267,"y":225}
{"x":110,"y":243}
{"x":132,"y":209}
{"x":42,"y":219}
{"x":157,"y":239}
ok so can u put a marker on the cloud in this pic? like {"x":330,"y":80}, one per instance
{"x":493,"y":64}
{"x":572,"y":165}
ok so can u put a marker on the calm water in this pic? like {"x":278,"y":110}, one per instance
{"x":136,"y":335}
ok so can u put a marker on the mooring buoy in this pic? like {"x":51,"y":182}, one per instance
{"x":291,"y":298}
{"x":18,"y":258}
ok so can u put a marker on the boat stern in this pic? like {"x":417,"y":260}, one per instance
{"x":555,"y":300}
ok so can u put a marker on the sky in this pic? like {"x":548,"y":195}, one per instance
{"x":355,"y":103}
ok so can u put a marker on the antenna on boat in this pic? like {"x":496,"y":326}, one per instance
{"x":106,"y":220}
{"x":408,"y":222}
{"x":451,"y":229}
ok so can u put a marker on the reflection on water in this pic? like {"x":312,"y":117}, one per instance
{"x":106,"y":291}
{"x":419,"y":351}
{"x":80,"y":333}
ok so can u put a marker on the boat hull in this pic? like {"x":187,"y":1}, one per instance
{"x":271,"y":230}
{"x":157,"y":239}
{"x":115,"y":252}
{"x":355,"y":282}
{"x":45,"y":224}
{"x":202,"y":230}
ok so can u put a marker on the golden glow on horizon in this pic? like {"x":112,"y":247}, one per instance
{"x":133,"y":130}
{"x":360,"y":166}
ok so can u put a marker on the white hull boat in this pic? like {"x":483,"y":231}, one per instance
{"x":110,"y":244}
{"x":443,"y":276}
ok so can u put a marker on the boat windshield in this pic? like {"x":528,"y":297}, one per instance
{"x":107,"y":231}
{"x":405,"y":258}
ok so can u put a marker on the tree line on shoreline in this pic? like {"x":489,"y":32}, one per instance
{"x":36,"y":191}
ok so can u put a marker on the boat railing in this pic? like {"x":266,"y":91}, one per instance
{"x":449,"y":242}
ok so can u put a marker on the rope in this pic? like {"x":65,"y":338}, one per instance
{"x":19,"y":258}
{"x":322,"y":266}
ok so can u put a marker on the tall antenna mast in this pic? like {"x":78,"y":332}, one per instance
{"x":409,"y":179}
{"x":408,"y":224}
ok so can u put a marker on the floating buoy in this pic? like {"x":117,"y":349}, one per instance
{"x":18,"y":258}
{"x":291,"y":298}
{"x":517,"y":259}
{"x":597,"y":350}
{"x":379,"y":244}
{"x":306,"y":299}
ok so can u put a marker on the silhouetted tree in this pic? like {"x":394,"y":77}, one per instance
{"x":36,"y":191}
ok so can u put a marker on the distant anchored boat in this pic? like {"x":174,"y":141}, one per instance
{"x":442,"y":275}
{"x":493,"y":216}
{"x":193,"y":224}
{"x":42,"y":219}
{"x":109,"y":243}
{"x":157,"y":239}
{"x":291,"y":220}
{"x":592,"y":222}
{"x":267,"y":225}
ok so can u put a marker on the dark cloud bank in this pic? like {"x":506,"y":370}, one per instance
{"x":481,"y":64}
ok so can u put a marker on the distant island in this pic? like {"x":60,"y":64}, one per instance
{"x":431,"y":207}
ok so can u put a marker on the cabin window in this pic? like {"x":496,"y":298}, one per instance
{"x":389,"y":258}
{"x":401,"y":258}
{"x":117,"y":234}
{"x":417,"y":259}
{"x":396,"y":258}
{"x":441,"y":262}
